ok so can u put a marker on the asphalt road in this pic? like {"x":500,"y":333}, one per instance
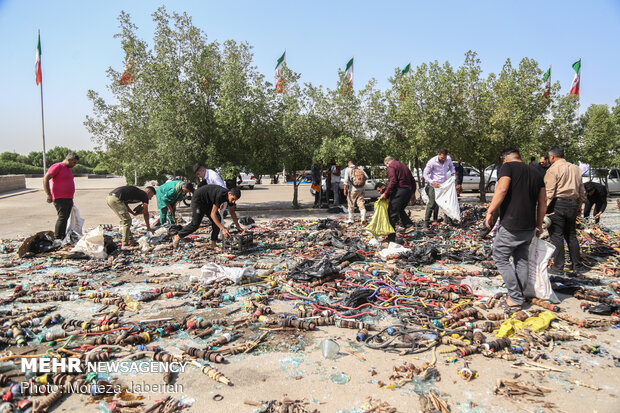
{"x":26,"y":212}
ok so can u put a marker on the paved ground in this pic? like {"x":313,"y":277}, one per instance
{"x":25,"y":212}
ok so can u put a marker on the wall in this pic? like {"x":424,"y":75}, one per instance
{"x":12,"y":182}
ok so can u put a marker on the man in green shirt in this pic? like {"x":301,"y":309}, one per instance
{"x":168,"y":195}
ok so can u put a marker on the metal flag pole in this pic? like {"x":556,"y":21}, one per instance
{"x":42,"y":118}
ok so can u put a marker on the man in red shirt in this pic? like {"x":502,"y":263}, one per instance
{"x":63,"y":189}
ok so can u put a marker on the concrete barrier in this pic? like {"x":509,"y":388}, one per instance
{"x":12,"y":182}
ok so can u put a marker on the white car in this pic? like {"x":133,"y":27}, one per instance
{"x":246,"y":179}
{"x":596,"y":175}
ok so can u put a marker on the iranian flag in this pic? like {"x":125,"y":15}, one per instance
{"x":278,"y":73}
{"x":574,"y":89}
{"x":348,"y":73}
{"x":547,"y":79}
{"x":37,"y":62}
{"x":406,"y":69}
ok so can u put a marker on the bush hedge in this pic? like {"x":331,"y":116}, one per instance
{"x":14,"y":168}
{"x":101,"y":169}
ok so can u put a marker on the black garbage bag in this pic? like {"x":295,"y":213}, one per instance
{"x":421,"y":255}
{"x":246,"y":221}
{"x":350,"y":256}
{"x":40,"y":242}
{"x":337,"y":240}
{"x":564,"y":285}
{"x":358,"y":297}
{"x":603,"y":309}
{"x":327,"y":224}
{"x":174,"y":229}
{"x":309,"y":270}
{"x":109,"y":244}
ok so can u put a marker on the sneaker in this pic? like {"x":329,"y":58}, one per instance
{"x":426,"y":224}
{"x":410,"y":229}
{"x":363,"y":223}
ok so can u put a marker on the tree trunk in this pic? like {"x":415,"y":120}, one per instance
{"x":482,"y":186}
{"x":417,"y":171}
{"x":295,"y":190}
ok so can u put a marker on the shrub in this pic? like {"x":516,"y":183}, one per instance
{"x":14,"y":168}
{"x":101,"y":169}
{"x":81,"y":169}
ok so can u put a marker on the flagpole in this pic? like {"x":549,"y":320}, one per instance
{"x":42,"y":118}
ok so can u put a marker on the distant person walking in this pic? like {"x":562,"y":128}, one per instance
{"x":119,"y":199}
{"x":62,"y":191}
{"x":207,"y":176}
{"x":597,"y":197}
{"x":437,"y":171}
{"x":168,"y":194}
{"x":565,"y":196}
{"x":315,"y":172}
{"x":522,"y":202}
{"x":354,"y":181}
{"x":334,"y":181}
{"x":543,"y":165}
{"x":399,"y":189}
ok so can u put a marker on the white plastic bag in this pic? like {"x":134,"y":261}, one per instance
{"x":446,"y":198}
{"x":423,"y":195}
{"x":214,"y":272}
{"x":392,"y":250}
{"x":74,"y":228}
{"x":92,"y":244}
{"x":538,"y":284}
{"x":76,"y":222}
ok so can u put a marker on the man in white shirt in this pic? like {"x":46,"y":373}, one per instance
{"x":334,"y":179}
{"x":207,"y":176}
{"x":354,"y":181}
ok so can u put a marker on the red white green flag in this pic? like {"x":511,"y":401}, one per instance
{"x":574,"y":89}
{"x":547,"y":79}
{"x":278,"y":73}
{"x":37,"y":62}
{"x":127,"y":76}
{"x":348,"y":73}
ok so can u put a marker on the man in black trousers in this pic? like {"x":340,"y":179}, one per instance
{"x":207,"y":200}
{"x":399,"y":189}
{"x":597,"y":197}
{"x":565,"y":197}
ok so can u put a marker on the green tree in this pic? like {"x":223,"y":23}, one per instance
{"x":600,"y":138}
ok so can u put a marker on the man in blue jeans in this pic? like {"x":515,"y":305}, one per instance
{"x":565,"y":196}
{"x":521,"y":200}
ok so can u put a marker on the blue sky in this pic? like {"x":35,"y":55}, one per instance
{"x":319,"y":36}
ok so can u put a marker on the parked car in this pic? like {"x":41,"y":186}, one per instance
{"x":471,"y":178}
{"x":598,"y":175}
{"x":246,"y":179}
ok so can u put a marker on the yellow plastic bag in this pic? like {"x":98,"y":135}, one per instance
{"x":380,"y":223}
{"x":536,"y":324}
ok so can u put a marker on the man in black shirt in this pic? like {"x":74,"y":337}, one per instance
{"x":596,"y":195}
{"x":207,"y":200}
{"x":119,"y":199}
{"x":522,"y":201}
